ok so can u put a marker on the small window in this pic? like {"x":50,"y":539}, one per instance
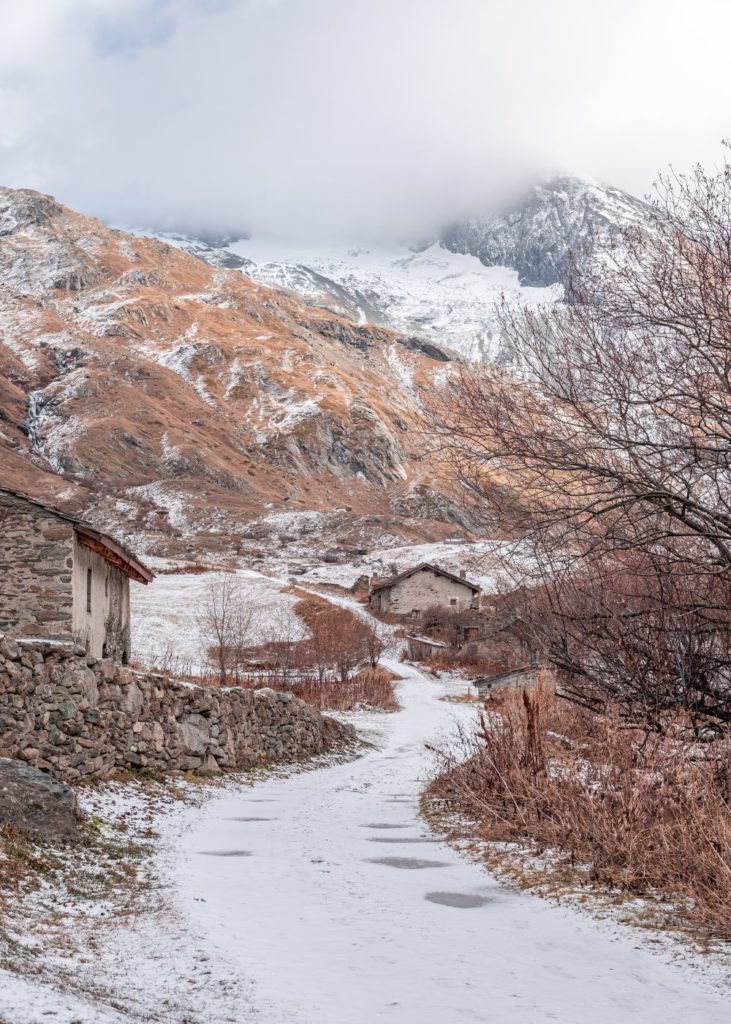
{"x":453,"y":601}
{"x":88,"y":590}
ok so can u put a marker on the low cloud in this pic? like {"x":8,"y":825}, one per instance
{"x":317,"y":117}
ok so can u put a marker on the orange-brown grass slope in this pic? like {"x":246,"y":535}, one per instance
{"x":126,"y":363}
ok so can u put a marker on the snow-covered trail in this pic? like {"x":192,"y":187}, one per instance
{"x":328,"y":892}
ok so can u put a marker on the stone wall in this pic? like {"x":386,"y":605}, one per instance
{"x":36,"y":564}
{"x":74,"y":717}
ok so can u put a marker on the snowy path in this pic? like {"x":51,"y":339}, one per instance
{"x":326,"y":890}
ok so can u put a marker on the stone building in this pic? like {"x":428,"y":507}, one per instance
{"x":524,"y":678}
{"x":62,"y":579}
{"x":424,"y":586}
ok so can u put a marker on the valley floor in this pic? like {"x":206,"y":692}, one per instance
{"x":321,"y":898}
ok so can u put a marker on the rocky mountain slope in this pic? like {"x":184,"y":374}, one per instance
{"x":447,"y":290}
{"x":171,"y":398}
{"x":441,"y":296}
{"x":557,"y":218}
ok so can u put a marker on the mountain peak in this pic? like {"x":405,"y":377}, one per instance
{"x":536,"y":235}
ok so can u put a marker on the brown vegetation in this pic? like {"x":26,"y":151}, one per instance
{"x":194,"y":378}
{"x":371,"y":687}
{"x":334,"y":666}
{"x":629,"y":810}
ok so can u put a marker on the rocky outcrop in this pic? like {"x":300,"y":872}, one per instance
{"x":74,"y":717}
{"x":565,"y":216}
{"x":35,"y":804}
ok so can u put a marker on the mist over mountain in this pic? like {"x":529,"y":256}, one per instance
{"x":444,"y":289}
{"x":324,"y":120}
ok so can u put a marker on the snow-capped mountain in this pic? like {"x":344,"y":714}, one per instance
{"x":443,"y":297}
{"x":557,"y":218}
{"x":445,"y":291}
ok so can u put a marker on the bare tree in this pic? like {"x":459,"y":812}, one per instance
{"x":339,"y":641}
{"x":376,"y":638}
{"x":609,"y":450}
{"x":227,"y":624}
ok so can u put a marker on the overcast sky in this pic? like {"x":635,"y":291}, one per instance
{"x":313,"y":116}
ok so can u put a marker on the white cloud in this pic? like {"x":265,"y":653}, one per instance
{"x":314,"y":115}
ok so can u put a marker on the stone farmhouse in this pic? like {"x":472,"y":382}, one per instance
{"x":421,"y":587}
{"x":62,"y":579}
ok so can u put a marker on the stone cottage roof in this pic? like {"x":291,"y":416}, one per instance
{"x":111,"y":550}
{"x":387,"y":584}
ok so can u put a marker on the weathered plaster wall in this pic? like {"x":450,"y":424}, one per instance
{"x":424,"y":590}
{"x":36,"y":564}
{"x":74,"y":717}
{"x":104,"y":630}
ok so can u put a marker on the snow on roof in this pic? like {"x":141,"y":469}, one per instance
{"x":426,"y":640}
{"x":386,"y":584}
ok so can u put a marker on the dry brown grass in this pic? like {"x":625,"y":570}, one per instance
{"x":644,"y":814}
{"x":371,"y":687}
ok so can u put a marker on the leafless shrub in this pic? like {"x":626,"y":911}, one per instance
{"x":339,"y":640}
{"x":227,"y":624}
{"x":371,"y":687}
{"x":167,"y":661}
{"x":640,"y":811}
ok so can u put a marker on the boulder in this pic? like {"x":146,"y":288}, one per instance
{"x":194,"y":734}
{"x":36,"y":804}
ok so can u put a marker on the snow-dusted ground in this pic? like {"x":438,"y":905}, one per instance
{"x":165,"y":616}
{"x":328,"y":891}
{"x":322,"y":898}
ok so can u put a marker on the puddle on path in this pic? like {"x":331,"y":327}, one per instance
{"x":251,"y":819}
{"x":401,"y":839}
{"x":225,"y":853}
{"x":410,"y":863}
{"x":385,"y":825}
{"x":461,"y":900}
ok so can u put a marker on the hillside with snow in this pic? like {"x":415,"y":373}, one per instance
{"x":187,"y":386}
{"x":448,"y":298}
{"x":186,"y":401}
{"x":445,"y":291}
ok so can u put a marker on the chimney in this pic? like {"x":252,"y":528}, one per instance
{"x":463,"y":574}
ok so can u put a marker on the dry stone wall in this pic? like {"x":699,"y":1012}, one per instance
{"x":74,"y":716}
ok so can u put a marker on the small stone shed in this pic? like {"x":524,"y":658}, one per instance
{"x":422,"y":648}
{"x":525,"y":677}
{"x":62,"y":579}
{"x":421,"y":587}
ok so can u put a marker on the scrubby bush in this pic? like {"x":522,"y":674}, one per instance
{"x":641,"y":811}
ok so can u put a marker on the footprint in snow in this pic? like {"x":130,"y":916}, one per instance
{"x":409,"y":863}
